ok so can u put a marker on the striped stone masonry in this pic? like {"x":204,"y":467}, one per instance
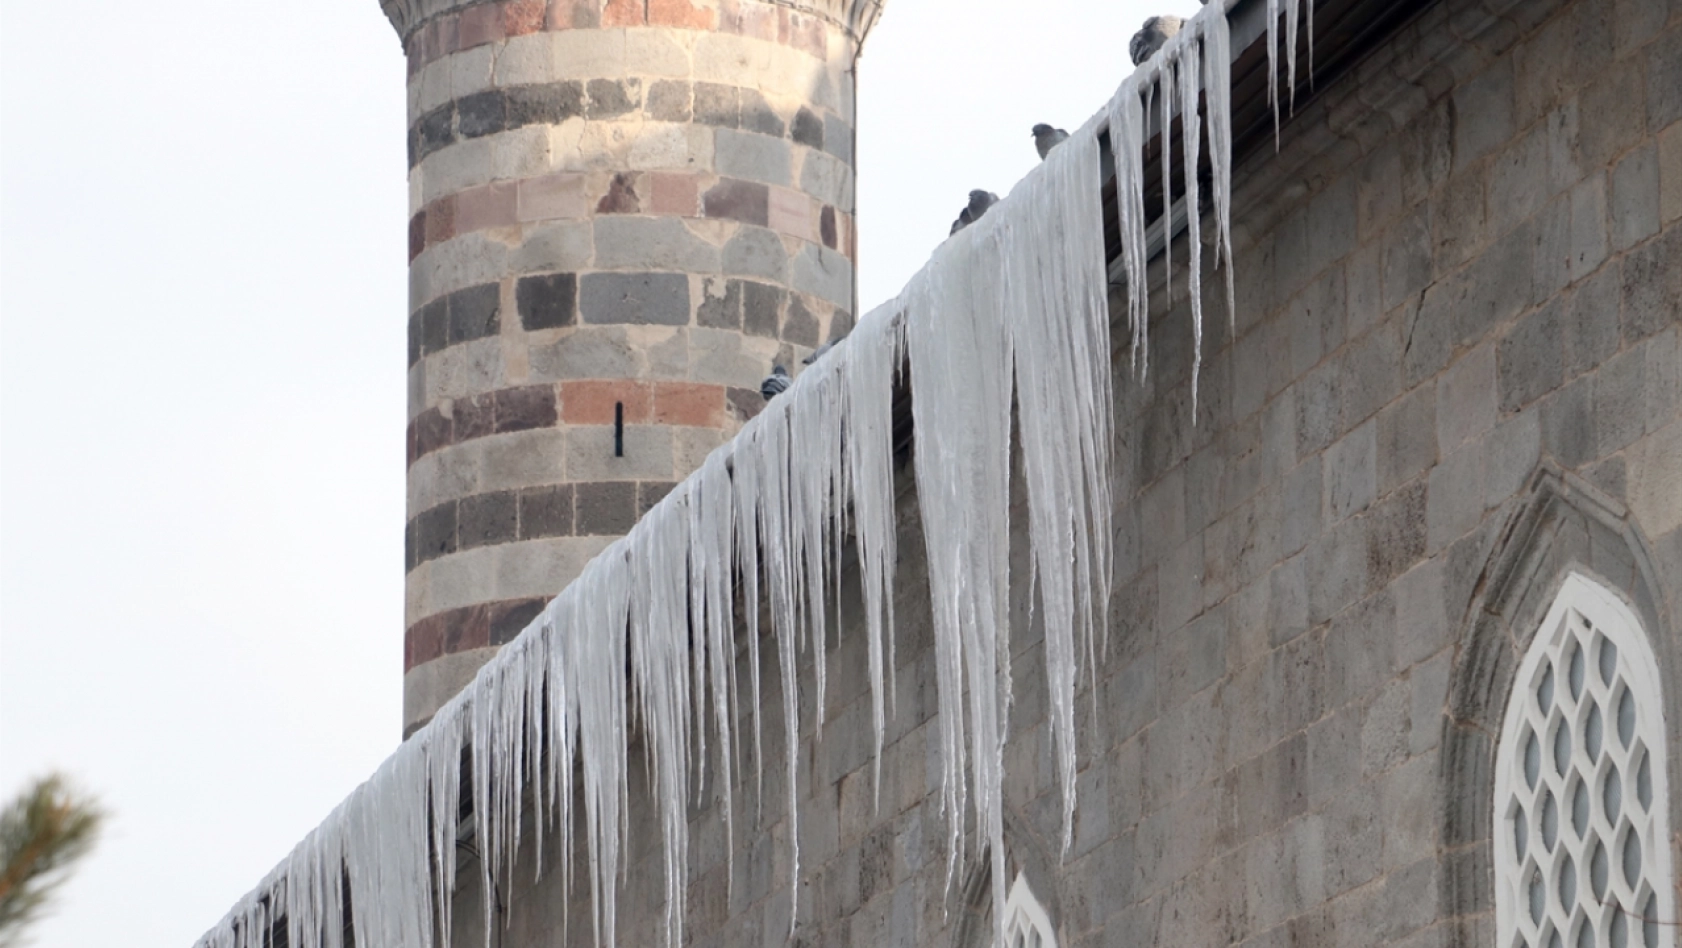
{"x":623,"y":213}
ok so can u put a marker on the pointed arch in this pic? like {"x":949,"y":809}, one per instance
{"x":1558,"y":546}
{"x":1581,"y":836}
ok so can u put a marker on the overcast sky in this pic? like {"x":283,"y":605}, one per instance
{"x":202,"y":316}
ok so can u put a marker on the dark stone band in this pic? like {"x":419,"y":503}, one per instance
{"x":470,"y":627}
{"x":601,"y":508}
{"x":478,"y":114}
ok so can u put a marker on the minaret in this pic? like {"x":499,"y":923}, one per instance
{"x":623,"y":213}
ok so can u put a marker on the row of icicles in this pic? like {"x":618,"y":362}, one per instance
{"x":1015,"y":304}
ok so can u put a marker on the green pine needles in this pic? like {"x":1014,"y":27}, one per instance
{"x":44,"y":831}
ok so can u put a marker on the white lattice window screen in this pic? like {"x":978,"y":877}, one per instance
{"x":1026,"y":923}
{"x":1582,"y":826}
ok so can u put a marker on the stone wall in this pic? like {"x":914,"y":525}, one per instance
{"x":1456,"y":374}
{"x":624,"y":212}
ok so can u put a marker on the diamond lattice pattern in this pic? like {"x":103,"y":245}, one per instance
{"x":1579,"y":856}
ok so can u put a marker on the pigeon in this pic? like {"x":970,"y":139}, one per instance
{"x":1157,"y":31}
{"x":776,"y":383}
{"x":979,"y":202}
{"x":1046,"y":138}
{"x":821,"y":351}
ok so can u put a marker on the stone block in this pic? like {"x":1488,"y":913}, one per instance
{"x":801,"y":324}
{"x":825,"y":274}
{"x":1588,"y":242}
{"x":1315,"y":321}
{"x":1287,"y":601}
{"x":1406,"y":438}
{"x":548,"y":301}
{"x":612,"y":98}
{"x":719,"y":303}
{"x":1516,"y":176}
{"x":752,"y":156}
{"x":758,"y":116}
{"x":1466,"y":402}
{"x":487,"y":519}
{"x":1663,"y":400}
{"x":524,"y":408}
{"x":1336,"y":566}
{"x":761,"y":307}
{"x":1319,"y":409}
{"x":652,"y":243}
{"x":435,"y":532}
{"x":1619,"y":392}
{"x":1428,"y":340}
{"x":1512,"y":451}
{"x":1423,"y":626}
{"x":808,"y":129}
{"x":1617,"y":101}
{"x":838,"y":137}
{"x":1396,"y":534}
{"x":1360,"y":650}
{"x":1531,"y":357}
{"x":481,"y":114}
{"x":756,"y":252}
{"x":1459,"y":224}
{"x":1194,"y":656}
{"x":551,"y":197}
{"x":590,"y":454}
{"x":475,"y":312}
{"x":1454,"y":504}
{"x":744,"y":201}
{"x":1652,"y":286}
{"x":669,"y":100}
{"x":1485,"y":106}
{"x":1386,"y":728}
{"x":549,"y":103}
{"x":1370,"y":374}
{"x":1300,"y":506}
{"x":641,"y":298}
{"x":1591,"y":326}
{"x":1670,"y":173}
{"x":1569,"y":422}
{"x":718,"y":105}
{"x":545,"y":512}
{"x":1350,"y":473}
{"x":1634,"y":197}
{"x":1496,"y":286}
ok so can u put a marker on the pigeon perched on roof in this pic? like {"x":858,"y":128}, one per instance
{"x":821,"y":351}
{"x":1157,"y":31}
{"x":1046,"y":138}
{"x":776,"y":383}
{"x":979,"y":202}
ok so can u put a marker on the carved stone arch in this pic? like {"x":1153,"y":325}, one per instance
{"x":1026,"y":857}
{"x":1561,"y":525}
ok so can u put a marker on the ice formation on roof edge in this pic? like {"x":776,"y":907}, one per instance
{"x":1017,"y":304}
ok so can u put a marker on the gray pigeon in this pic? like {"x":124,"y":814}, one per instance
{"x":1157,"y":31}
{"x":821,"y":351}
{"x":1046,"y":138}
{"x":979,"y":202}
{"x":776,"y":383}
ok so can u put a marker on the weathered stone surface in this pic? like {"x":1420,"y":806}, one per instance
{"x":654,"y":298}
{"x":549,"y":301}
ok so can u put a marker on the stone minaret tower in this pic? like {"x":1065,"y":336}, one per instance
{"x":624,"y":211}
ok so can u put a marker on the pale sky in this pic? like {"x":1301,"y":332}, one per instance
{"x":203,"y":233}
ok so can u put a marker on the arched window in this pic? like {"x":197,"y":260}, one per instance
{"x":1026,"y":923}
{"x":1582,"y":854}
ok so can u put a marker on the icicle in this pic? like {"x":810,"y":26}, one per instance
{"x":870,"y":361}
{"x":1127,"y":136}
{"x":1163,"y":90}
{"x":660,"y":652}
{"x":711,"y":616}
{"x":1190,"y":74}
{"x":1217,"y":92}
{"x":1293,"y":15}
{"x":744,"y":486}
{"x":771,"y":445}
{"x":1060,"y":323}
{"x":960,"y":353}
